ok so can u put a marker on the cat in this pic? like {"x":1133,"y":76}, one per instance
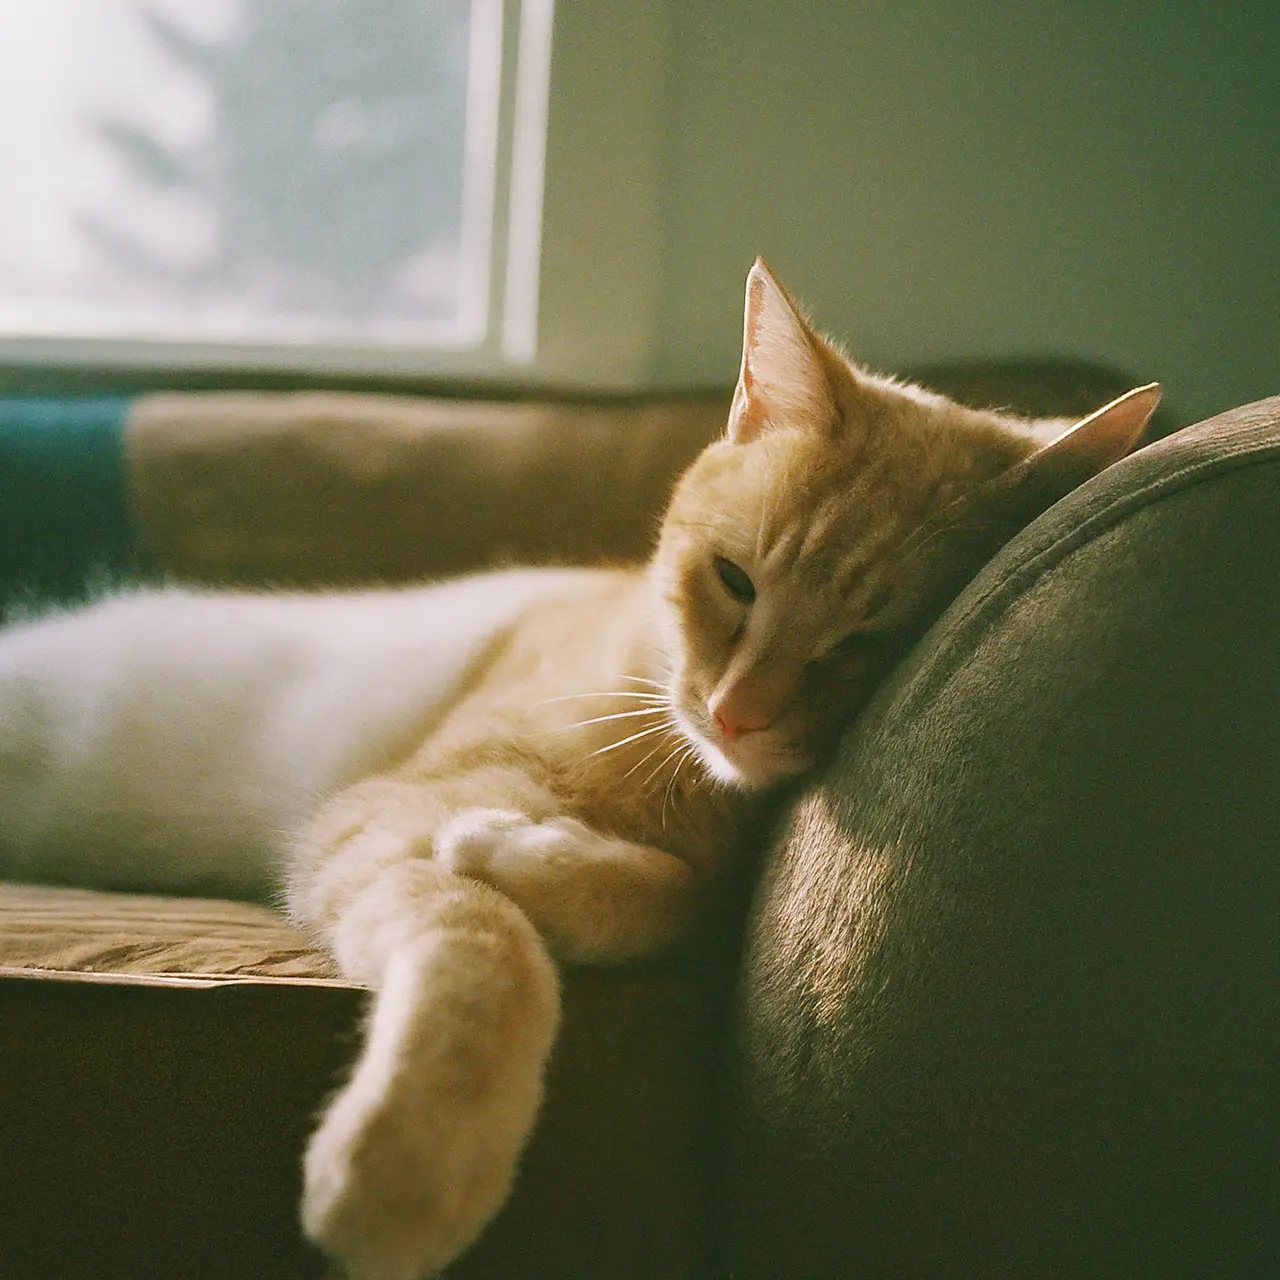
{"x":458,"y":782}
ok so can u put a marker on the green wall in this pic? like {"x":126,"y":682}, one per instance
{"x":1091,"y":179}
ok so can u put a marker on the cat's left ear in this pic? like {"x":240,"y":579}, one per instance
{"x":783,"y":381}
{"x":1097,"y":441}
{"x":945,"y":553}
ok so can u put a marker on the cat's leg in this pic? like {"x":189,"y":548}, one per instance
{"x":593,"y":897}
{"x":417,"y":1152}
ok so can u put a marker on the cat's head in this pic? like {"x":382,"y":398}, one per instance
{"x":805,"y":552}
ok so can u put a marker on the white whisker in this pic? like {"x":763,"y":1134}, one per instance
{"x":644,"y":733}
{"x":653,"y":698}
{"x":639,"y":764}
{"x":617,"y":715}
{"x":675,"y":773}
{"x":655,"y":684}
{"x":662,"y":764}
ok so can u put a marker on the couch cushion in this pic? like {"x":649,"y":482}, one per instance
{"x":79,"y":931}
{"x":165,"y":1058}
{"x":335,"y":487}
{"x":64,"y":510}
{"x":331,"y":488}
{"x":1009,"y":1002}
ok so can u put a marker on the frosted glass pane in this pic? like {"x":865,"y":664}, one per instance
{"x":240,"y":170}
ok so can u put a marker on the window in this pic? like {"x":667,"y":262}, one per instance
{"x":316,"y":183}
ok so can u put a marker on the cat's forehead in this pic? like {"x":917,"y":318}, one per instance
{"x":826,"y":577}
{"x":766,"y":481}
{"x":788,"y":480}
{"x":815,"y":530}
{"x":820,"y":515}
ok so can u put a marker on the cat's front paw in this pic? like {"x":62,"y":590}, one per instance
{"x":502,"y":845}
{"x":474,"y":839}
{"x":366,"y":1201}
{"x":417,"y":1153}
{"x":390,"y":1198}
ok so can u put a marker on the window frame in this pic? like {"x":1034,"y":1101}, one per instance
{"x":568,"y":230}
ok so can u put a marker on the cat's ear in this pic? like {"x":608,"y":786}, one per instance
{"x":944,"y":553}
{"x":1097,"y":441}
{"x":783,"y":380}
{"x":1018,"y":495}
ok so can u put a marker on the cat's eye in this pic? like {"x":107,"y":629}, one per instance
{"x":735,"y":580}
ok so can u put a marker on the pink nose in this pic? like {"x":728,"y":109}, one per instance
{"x":734,"y":723}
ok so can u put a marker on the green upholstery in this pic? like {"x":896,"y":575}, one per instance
{"x":1009,"y":1001}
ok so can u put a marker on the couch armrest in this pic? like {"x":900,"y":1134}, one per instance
{"x":1009,"y":1001}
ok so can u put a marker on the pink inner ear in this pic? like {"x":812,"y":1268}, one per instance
{"x":752,"y":314}
{"x":781,"y":378}
{"x":749,"y":411}
{"x":1108,"y":434}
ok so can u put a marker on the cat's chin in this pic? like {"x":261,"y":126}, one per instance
{"x":748,"y":769}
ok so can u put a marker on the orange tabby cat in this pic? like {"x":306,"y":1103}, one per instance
{"x":607,"y":758}
{"x":519,"y":765}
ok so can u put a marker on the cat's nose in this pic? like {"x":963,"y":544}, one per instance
{"x":734,"y":723}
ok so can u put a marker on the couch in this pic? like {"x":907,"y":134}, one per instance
{"x":997,"y":997}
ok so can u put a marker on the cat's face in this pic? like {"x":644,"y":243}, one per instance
{"x":803,"y":554}
{"x":772,"y":587}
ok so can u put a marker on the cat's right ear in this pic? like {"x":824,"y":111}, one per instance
{"x":783,"y":381}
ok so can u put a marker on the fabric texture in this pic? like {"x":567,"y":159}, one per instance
{"x":64,"y":506}
{"x":79,"y":931}
{"x":165,"y":1059}
{"x":153,"y":1128}
{"x":1008,"y":1000}
{"x":324,"y":488}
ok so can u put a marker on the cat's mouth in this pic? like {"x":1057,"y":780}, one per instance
{"x":752,"y":761}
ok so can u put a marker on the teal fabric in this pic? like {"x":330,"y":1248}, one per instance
{"x":64,"y":507}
